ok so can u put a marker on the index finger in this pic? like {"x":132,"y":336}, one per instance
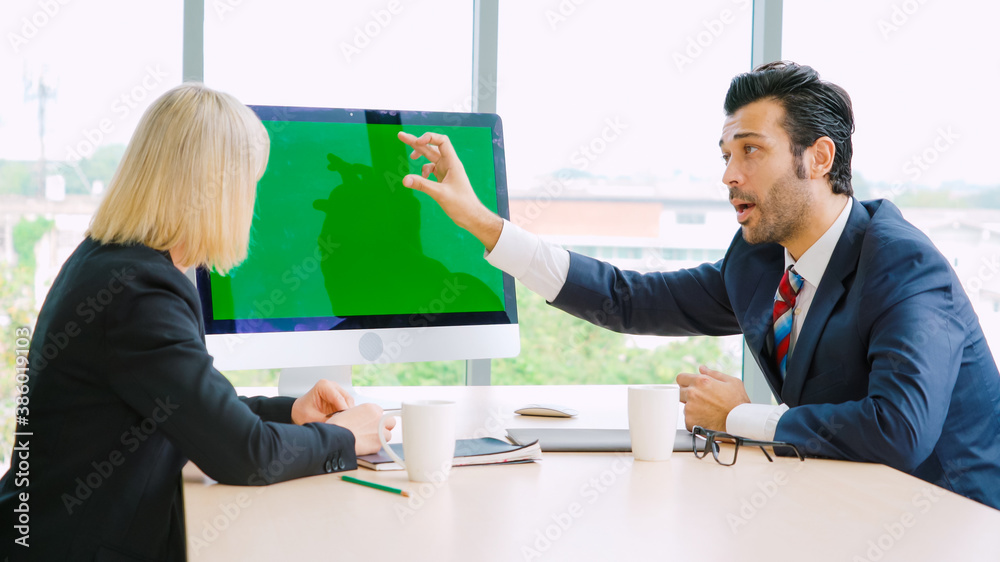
{"x":408,"y":138}
{"x":337,"y":396}
{"x":421,"y":148}
{"x":440,"y":141}
{"x":685,"y":379}
{"x":717,"y":375}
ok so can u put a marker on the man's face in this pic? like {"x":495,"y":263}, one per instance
{"x":770,"y":198}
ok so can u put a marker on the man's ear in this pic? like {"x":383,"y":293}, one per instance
{"x":821,"y":158}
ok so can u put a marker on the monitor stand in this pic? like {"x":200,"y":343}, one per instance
{"x":297,"y":381}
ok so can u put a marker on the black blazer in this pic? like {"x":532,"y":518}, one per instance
{"x":122,"y":393}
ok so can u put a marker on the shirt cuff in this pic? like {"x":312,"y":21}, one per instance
{"x":541,"y":266}
{"x":755,"y":421}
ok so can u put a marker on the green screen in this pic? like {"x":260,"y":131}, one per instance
{"x":335,"y":233}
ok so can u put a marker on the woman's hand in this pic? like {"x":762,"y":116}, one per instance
{"x":363,"y":421}
{"x":322,"y":401}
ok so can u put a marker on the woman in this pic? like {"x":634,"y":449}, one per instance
{"x":122,"y":389}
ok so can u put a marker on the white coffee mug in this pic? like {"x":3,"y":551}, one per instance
{"x":652,"y":420}
{"x":428,"y":439}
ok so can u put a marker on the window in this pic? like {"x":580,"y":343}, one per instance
{"x":590,"y":143}
{"x":629,"y":253}
{"x":4,"y":241}
{"x":690,"y":218}
{"x":674,"y":254}
{"x":344,"y":54}
{"x":602,"y":103}
{"x":922,"y":107}
{"x":76,"y":79}
{"x":576,"y":90}
{"x":341,"y":54}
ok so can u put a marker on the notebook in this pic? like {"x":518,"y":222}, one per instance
{"x":468,"y":452}
{"x":566,"y":440}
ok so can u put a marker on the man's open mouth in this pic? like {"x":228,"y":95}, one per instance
{"x":743,"y":210}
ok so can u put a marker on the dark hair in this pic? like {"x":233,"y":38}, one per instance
{"x":814,"y":108}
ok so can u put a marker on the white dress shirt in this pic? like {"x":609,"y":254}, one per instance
{"x":543,"y":267}
{"x":759,"y":421}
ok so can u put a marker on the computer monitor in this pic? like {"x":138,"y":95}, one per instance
{"x":347,"y":266}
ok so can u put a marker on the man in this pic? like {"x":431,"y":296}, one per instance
{"x":859,"y":324}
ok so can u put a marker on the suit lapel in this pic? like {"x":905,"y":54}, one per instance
{"x":843,"y":264}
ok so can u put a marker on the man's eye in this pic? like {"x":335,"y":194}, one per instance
{"x":725,"y":158}
{"x":749,"y":149}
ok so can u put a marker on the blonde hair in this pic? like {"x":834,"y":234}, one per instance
{"x":188,"y":179}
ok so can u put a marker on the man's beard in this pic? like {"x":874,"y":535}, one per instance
{"x":784,"y":213}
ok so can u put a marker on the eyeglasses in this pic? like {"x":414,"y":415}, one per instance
{"x":725,"y":447}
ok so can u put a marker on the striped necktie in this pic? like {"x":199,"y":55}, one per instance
{"x":784,"y":310}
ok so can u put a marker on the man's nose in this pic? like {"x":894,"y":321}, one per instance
{"x":733,"y":175}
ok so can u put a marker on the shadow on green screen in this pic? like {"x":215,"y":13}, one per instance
{"x":376,"y":263}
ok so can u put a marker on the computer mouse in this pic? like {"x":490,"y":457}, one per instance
{"x":547,"y":410}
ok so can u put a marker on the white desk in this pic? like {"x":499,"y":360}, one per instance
{"x":576,"y":506}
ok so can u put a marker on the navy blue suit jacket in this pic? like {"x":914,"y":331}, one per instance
{"x":891,"y":365}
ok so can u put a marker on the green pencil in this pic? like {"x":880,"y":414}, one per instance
{"x":403,"y":493}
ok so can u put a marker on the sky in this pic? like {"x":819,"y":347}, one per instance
{"x":618,"y":89}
